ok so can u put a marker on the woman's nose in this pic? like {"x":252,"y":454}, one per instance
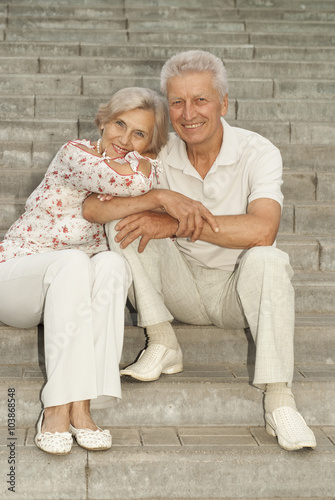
{"x":125,"y":138}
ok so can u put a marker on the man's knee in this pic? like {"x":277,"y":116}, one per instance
{"x":257,"y":259}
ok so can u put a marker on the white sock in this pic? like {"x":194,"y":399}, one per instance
{"x":277,"y":395}
{"x":162,"y":333}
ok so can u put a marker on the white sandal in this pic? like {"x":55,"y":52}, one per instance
{"x":290,"y":428}
{"x":55,"y":443}
{"x":92,"y":440}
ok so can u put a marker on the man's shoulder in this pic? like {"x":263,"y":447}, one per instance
{"x":247,"y":137}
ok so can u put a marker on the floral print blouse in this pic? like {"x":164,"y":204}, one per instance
{"x":53,"y":213}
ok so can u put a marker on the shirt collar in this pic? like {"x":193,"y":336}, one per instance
{"x":177,"y":156}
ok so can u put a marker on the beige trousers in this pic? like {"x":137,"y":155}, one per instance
{"x":81,"y":302}
{"x":258,"y":294}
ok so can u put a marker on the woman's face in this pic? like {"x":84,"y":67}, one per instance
{"x":128,"y":131}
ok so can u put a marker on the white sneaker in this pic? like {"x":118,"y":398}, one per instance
{"x":154,"y":361}
{"x":290,"y":428}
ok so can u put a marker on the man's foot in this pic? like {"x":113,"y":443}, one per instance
{"x":290,"y":428}
{"x":154,"y":361}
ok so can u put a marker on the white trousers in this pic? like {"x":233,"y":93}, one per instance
{"x":258,"y":294}
{"x":81,"y":302}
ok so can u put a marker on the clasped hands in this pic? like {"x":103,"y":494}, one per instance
{"x":177,"y":215}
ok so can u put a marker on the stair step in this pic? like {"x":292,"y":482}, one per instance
{"x":143,"y":67}
{"x":53,"y":35}
{"x":294,"y":53}
{"x":164,"y":13}
{"x":92,"y":86}
{"x":203,"y":456}
{"x":200,"y":395}
{"x":323,"y":5}
{"x":203,"y":345}
{"x":292,"y":39}
{"x":63,"y":23}
{"x":254,"y":88}
{"x":39,"y":130}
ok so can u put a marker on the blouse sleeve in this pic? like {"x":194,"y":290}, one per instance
{"x":85,"y":171}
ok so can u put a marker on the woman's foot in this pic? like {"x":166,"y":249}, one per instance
{"x":51,"y":436}
{"x":56,"y":419}
{"x":83,"y":428}
{"x":80,"y":416}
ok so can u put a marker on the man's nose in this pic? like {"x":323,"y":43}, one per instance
{"x":189,"y":111}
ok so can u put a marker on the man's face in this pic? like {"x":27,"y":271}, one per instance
{"x":195,"y":109}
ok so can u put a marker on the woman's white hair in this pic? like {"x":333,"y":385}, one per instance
{"x":195,"y":61}
{"x":137,"y":98}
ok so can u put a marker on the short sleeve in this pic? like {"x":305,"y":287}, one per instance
{"x":265,"y":176}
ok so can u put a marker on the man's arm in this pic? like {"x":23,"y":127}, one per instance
{"x":258,"y":227}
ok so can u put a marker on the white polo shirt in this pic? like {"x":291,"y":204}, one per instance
{"x":248,"y":167}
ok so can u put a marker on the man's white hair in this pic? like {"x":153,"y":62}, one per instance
{"x":195,"y":61}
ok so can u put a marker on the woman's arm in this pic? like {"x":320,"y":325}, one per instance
{"x":190,"y":214}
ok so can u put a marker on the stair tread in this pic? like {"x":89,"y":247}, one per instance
{"x":190,"y":463}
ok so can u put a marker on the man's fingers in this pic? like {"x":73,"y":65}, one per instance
{"x":210,"y":218}
{"x":143,"y":243}
{"x":198,"y":226}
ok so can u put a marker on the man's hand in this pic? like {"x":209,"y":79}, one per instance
{"x":145,"y":225}
{"x":190,"y":214}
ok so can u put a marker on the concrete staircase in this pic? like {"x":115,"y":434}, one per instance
{"x":200,"y":434}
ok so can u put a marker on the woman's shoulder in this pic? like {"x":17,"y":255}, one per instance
{"x":73,"y":148}
{"x":81,"y":144}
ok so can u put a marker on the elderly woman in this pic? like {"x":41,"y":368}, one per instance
{"x":55,"y":267}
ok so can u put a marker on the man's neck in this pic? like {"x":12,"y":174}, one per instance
{"x":202,"y":157}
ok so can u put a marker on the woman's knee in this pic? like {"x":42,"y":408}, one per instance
{"x":112,"y":264}
{"x":70,"y":262}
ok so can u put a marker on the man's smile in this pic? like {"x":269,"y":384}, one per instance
{"x":194,"y":125}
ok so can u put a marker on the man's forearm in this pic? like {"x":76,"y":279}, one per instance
{"x":259,"y":227}
{"x":237,"y":231}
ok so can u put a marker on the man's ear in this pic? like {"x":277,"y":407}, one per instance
{"x":224,"y":105}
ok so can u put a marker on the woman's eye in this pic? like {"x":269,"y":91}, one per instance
{"x":140,"y":134}
{"x":119,"y":123}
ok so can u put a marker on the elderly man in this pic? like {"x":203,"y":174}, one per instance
{"x":201,"y":246}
